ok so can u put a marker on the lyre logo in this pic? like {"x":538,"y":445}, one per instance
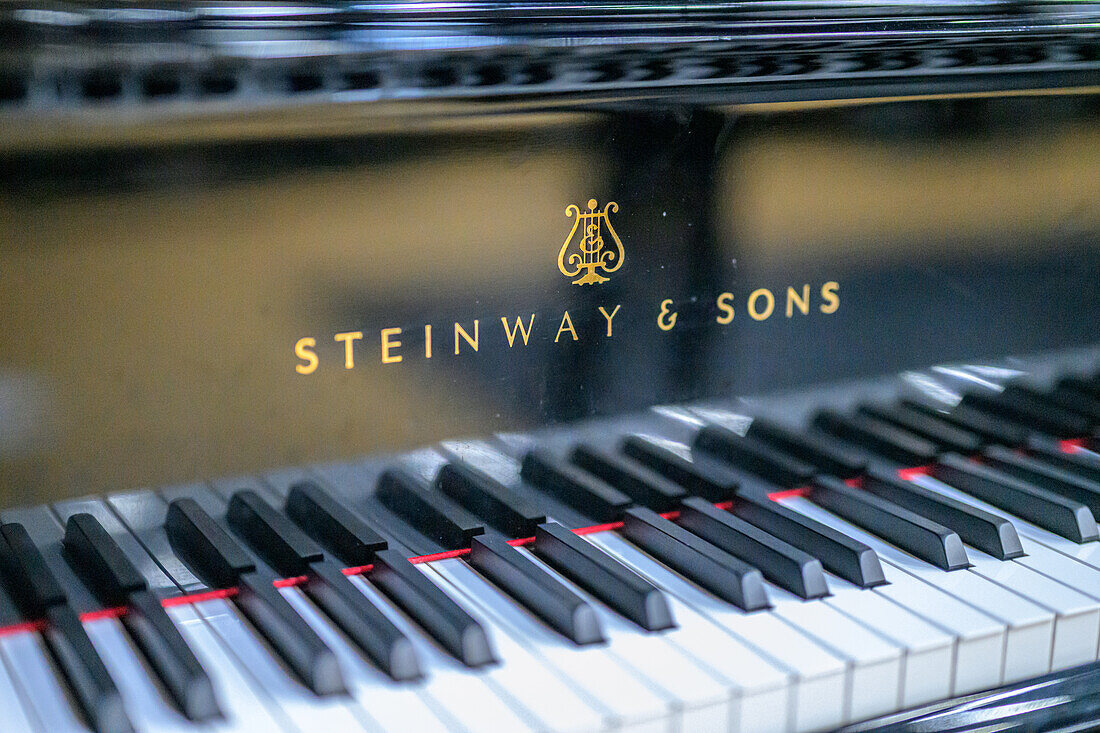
{"x":592,"y":252}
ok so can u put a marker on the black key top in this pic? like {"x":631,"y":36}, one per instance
{"x":784,"y":565}
{"x":878,"y":437}
{"x":828,"y":455}
{"x":433,"y":609}
{"x":1041,"y":474}
{"x":604,"y":577}
{"x":486,"y":497}
{"x":635,"y":480}
{"x":753,"y":456}
{"x":366,"y":626}
{"x":990,"y":427}
{"x":430,"y":512}
{"x":1029,"y":411}
{"x":1066,"y":398}
{"x":293,"y":639}
{"x":928,"y":540}
{"x":278,"y":540}
{"x":1076,"y":462}
{"x":31,"y":582}
{"x":88,"y":679}
{"x":695,"y":558}
{"x":220,"y":561}
{"x":704,"y":478}
{"x":201,"y":543}
{"x":170,"y":657}
{"x":840,"y":554}
{"x":583,"y":492}
{"x":943,"y":434}
{"x":987,"y":532}
{"x":1085,"y":387}
{"x":536,"y":589}
{"x":96,"y":556}
{"x":332,"y":524}
{"x":1064,"y":517}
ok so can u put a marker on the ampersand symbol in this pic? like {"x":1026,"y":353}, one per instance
{"x":666,"y":319}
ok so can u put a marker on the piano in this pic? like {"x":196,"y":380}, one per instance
{"x":549,"y":366}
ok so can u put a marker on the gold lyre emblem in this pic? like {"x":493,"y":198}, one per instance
{"x":592,"y":251}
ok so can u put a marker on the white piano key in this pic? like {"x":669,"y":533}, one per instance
{"x":1029,"y":628}
{"x":245,"y":707}
{"x":820,"y":680}
{"x":147,"y":710}
{"x":395,"y":706}
{"x":305,"y":709}
{"x":18,"y":717}
{"x":527,"y":679}
{"x":928,"y":650}
{"x":590,"y":669}
{"x":464,"y":693}
{"x":762,"y":688}
{"x":704,"y":702}
{"x":28,"y":658}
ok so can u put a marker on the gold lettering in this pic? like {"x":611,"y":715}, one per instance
{"x":725,"y":304}
{"x":829,"y":295}
{"x":767,"y":295}
{"x":566,"y":325}
{"x":524,"y":331}
{"x":666,"y":319}
{"x":349,"y":338}
{"x":802,"y":301}
{"x":460,"y":331}
{"x":387,"y":344}
{"x":303,"y":349}
{"x":609,"y":317}
{"x":427,"y":341}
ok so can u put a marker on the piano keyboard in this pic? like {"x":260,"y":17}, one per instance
{"x":691,"y":569}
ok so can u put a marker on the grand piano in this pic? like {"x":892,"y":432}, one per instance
{"x":549,"y":366}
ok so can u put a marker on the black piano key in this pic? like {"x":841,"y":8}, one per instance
{"x":695,"y":558}
{"x":928,"y":540}
{"x":644,"y":486}
{"x":1081,"y":464}
{"x":840,"y":554}
{"x":428,"y":511}
{"x":707,"y":479}
{"x":987,"y":532}
{"x":1041,"y":474}
{"x":536,"y":589}
{"x":1029,"y":411}
{"x":277,"y":539}
{"x":1062,"y":516}
{"x":1066,"y":398}
{"x":92,"y":687}
{"x":205,"y":546}
{"x":111,"y":575}
{"x":100,"y":560}
{"x":828,"y":455}
{"x":332,"y":524}
{"x":604,"y":577}
{"x":31,"y":581}
{"x":486,"y":497}
{"x":433,"y":609}
{"x":585,"y":493}
{"x":879,"y":437}
{"x":945,"y":435}
{"x":1087,"y":387}
{"x":366,"y":626}
{"x":171,"y":658}
{"x":754,"y":456}
{"x":992,"y":428}
{"x":785,"y":565}
{"x":294,"y":640}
